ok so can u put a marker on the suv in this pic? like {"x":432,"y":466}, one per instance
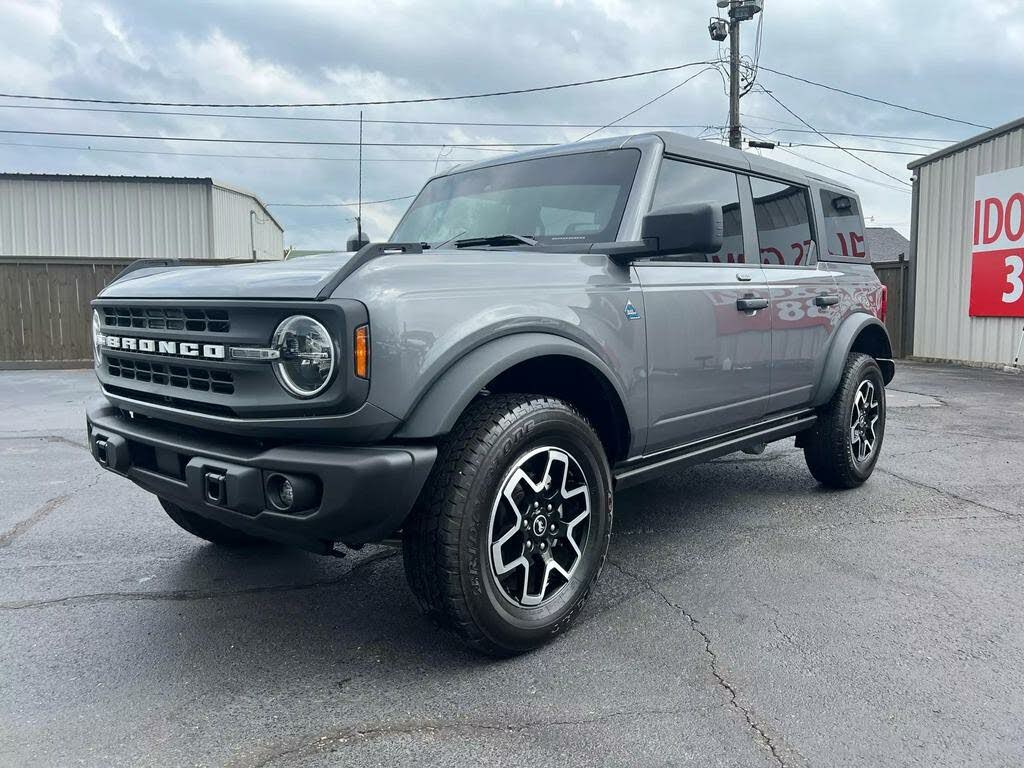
{"x":540,"y":331}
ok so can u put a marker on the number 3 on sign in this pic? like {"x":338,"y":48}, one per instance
{"x":1015,"y":279}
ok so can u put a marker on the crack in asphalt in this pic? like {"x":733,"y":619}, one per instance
{"x":192,"y":594}
{"x":412,"y":727}
{"x":1016,"y":516}
{"x":47,"y":438}
{"x":48,"y":507}
{"x":763,"y":736}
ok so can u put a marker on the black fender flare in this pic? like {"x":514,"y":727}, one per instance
{"x":842,"y":344}
{"x":439,"y":407}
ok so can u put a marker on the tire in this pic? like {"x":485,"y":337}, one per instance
{"x":211,"y":531}
{"x":835,"y":448}
{"x":465,"y":541}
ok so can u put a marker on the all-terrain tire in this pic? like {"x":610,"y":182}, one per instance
{"x":449,"y":538}
{"x":210,"y":530}
{"x":830,"y":448}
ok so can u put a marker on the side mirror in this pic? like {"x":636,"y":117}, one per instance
{"x":696,"y":228}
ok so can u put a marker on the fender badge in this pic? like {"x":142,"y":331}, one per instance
{"x":631,"y":311}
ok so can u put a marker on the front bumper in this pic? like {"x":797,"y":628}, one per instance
{"x":354,"y":494}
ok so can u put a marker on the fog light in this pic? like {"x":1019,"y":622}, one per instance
{"x":280,"y":493}
{"x":286,"y":494}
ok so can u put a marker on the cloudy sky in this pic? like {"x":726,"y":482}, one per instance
{"x":954,"y":57}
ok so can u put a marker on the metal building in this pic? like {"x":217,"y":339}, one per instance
{"x":967,"y":246}
{"x":133,"y":217}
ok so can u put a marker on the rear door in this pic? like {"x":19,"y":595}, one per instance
{"x":708,"y":356}
{"x":804,"y":294}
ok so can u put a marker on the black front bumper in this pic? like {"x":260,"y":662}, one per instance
{"x":354,"y":494}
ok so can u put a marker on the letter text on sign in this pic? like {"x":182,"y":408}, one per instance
{"x":997,"y":258}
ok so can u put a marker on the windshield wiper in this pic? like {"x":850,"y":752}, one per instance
{"x":469,"y":242}
{"x":449,"y":241}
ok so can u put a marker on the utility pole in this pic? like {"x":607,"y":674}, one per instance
{"x":739,"y":11}
{"x":735,"y":135}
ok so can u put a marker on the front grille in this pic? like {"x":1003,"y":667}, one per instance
{"x":181,"y":376}
{"x":167,"y":318}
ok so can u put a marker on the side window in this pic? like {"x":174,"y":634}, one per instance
{"x":844,"y":227}
{"x":783,"y":216}
{"x":680,"y":183}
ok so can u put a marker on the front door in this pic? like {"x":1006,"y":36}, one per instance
{"x":708,"y":325}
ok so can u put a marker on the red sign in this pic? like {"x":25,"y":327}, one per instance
{"x":997,"y":259}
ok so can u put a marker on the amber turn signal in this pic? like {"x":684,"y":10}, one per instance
{"x":361,"y":352}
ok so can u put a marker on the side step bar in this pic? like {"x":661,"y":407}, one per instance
{"x":646,"y":467}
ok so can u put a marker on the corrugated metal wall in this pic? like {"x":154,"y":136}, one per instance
{"x":945,"y":221}
{"x":93,"y":218}
{"x":232,"y":236}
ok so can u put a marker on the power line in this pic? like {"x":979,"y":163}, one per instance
{"x":382,"y":102}
{"x":857,"y":149}
{"x":236,"y":157}
{"x":303,"y":142}
{"x":456,"y":123}
{"x":675,"y":87}
{"x":885,"y":136}
{"x":302,"y":118}
{"x":859,"y":159}
{"x":845,"y":173}
{"x":876,"y":101}
{"x":341,"y":205}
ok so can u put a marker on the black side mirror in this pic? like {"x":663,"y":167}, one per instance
{"x":696,"y":228}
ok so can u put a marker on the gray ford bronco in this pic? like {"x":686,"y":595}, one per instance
{"x":540,"y":330}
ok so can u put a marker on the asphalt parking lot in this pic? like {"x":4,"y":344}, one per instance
{"x":747,"y":617}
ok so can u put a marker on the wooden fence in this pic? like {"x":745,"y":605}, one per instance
{"x":45,"y":318}
{"x":895,"y":276}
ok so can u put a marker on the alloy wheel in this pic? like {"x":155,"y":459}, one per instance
{"x":539,"y":526}
{"x":867,"y":410}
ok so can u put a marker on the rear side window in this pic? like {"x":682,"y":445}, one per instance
{"x":783,"y":216}
{"x":682,"y":183}
{"x":844,"y":225}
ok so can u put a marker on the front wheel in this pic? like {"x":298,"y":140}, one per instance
{"x":512,"y":530}
{"x":842,"y":448}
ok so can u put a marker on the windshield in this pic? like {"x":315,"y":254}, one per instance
{"x":561,"y":199}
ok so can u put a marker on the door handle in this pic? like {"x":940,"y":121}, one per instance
{"x":751,"y":304}
{"x":743,"y":277}
{"x":826,"y":300}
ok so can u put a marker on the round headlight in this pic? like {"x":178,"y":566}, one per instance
{"x":308,"y":359}
{"x":97,"y":334}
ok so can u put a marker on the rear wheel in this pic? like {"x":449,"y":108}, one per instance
{"x":210,"y":530}
{"x":512,"y":530}
{"x":843,"y":447}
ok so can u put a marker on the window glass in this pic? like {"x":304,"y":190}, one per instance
{"x":559,"y":199}
{"x":783,"y":216}
{"x":681,"y":183}
{"x":844,"y":227}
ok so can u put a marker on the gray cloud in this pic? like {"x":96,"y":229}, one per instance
{"x":955,"y":57}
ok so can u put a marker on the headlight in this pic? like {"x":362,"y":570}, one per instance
{"x":97,"y":336}
{"x":308,"y":359}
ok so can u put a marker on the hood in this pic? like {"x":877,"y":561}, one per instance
{"x":296,"y":279}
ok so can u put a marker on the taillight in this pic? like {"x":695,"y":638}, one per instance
{"x":361,"y":352}
{"x":883,"y":307}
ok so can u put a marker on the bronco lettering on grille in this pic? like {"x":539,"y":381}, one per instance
{"x":174,"y":348}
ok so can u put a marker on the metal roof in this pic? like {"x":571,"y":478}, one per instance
{"x":206,"y":180}
{"x":960,"y":146}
